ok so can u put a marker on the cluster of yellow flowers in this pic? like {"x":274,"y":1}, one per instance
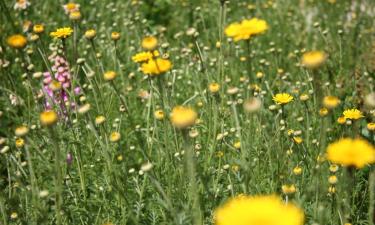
{"x":246,"y":28}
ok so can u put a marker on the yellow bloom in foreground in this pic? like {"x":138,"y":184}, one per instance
{"x":149,"y":43}
{"x":351,"y":152}
{"x":183,"y":117}
{"x":258,"y":210}
{"x":144,"y":56}
{"x":282,"y":98}
{"x":48,"y":118}
{"x":352,"y":114}
{"x":331,"y":102}
{"x":313,"y":59}
{"x":17,"y":41}
{"x":156,"y":67}
{"x":246,"y":29}
{"x":62,"y":33}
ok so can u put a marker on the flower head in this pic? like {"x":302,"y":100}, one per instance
{"x":352,"y":114}
{"x":183,"y":117}
{"x":17,"y":41}
{"x":90,"y":34}
{"x":71,"y":7}
{"x":331,"y":102}
{"x":48,"y":118}
{"x":246,"y":28}
{"x":21,"y":131}
{"x":156,"y":66}
{"x":109,"y":75}
{"x":115,"y":36}
{"x":21,"y":4}
{"x":38,"y":28}
{"x":62,"y":33}
{"x":255,"y":210}
{"x":282,"y":98}
{"x":313,"y":59}
{"x":144,"y":56}
{"x":149,"y":43}
{"x":351,"y":152}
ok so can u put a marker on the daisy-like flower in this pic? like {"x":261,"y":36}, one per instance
{"x":246,"y":28}
{"x":352,"y":114}
{"x":21,"y":4}
{"x":71,"y":7}
{"x":214,"y":87}
{"x":351,"y":152}
{"x":183,"y":117}
{"x":282,"y":98}
{"x":331,"y":102}
{"x":17,"y":41}
{"x":109,"y":75}
{"x":313,"y":59}
{"x":156,"y":66}
{"x":62,"y":33}
{"x":144,"y":56}
{"x":48,"y":118}
{"x":149,"y":43}
{"x":255,"y":210}
{"x":115,"y":136}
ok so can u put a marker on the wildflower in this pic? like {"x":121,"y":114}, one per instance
{"x":297,"y":170}
{"x":183,"y":117}
{"x":71,"y":7}
{"x":252,"y":105}
{"x":332,"y":179}
{"x":20,"y":142}
{"x":147,"y":167}
{"x":21,"y":131}
{"x":156,"y":67}
{"x":313,"y":59}
{"x":21,"y":4}
{"x":115,"y":136}
{"x":90,"y":34}
{"x":352,"y":114}
{"x":149,"y":43}
{"x":255,"y":210}
{"x":159,"y":114}
{"x":371,"y":126}
{"x":332,"y":189}
{"x":323,"y":111}
{"x":331,"y":102}
{"x":62,"y":33}
{"x":115,"y":36}
{"x":14,"y":215}
{"x":38,"y":28}
{"x":99,"y":120}
{"x":48,"y":118}
{"x":109,"y":75}
{"x":214,"y":87}
{"x":84,"y":109}
{"x":17,"y":41}
{"x":341,"y":120}
{"x":288,"y":189}
{"x":333,"y":168}
{"x":193,"y":133}
{"x":297,"y":140}
{"x":246,"y":28}
{"x":237,"y":145}
{"x":351,"y":152}
{"x":282,"y":98}
{"x":144,"y":56}
{"x":304,"y":97}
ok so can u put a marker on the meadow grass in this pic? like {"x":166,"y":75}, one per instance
{"x":116,"y":154}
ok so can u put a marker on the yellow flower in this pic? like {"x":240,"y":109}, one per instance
{"x":99,"y":120}
{"x":331,"y":102}
{"x":149,"y":43}
{"x":304,"y":97}
{"x":156,"y":67}
{"x":62,"y":33}
{"x":323,"y":111}
{"x":288,"y":189}
{"x":109,"y":75}
{"x":214,"y":87}
{"x":246,"y":28}
{"x":159,"y":114}
{"x":297,"y":140}
{"x":17,"y":41}
{"x":333,"y":168}
{"x":352,"y":114}
{"x":332,"y":190}
{"x":183,"y":117}
{"x":144,"y":56}
{"x":71,"y":7}
{"x":237,"y":145}
{"x":115,"y":36}
{"x":282,"y":98}
{"x":21,"y":131}
{"x":20,"y":142}
{"x":297,"y":170}
{"x":371,"y":126}
{"x":313,"y":59}
{"x":115,"y":136}
{"x":332,"y":179}
{"x":258,"y":210}
{"x":90,"y":34}
{"x":48,"y":118}
{"x":351,"y":152}
{"x":341,"y":120}
{"x":75,"y":15}
{"x":38,"y":28}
